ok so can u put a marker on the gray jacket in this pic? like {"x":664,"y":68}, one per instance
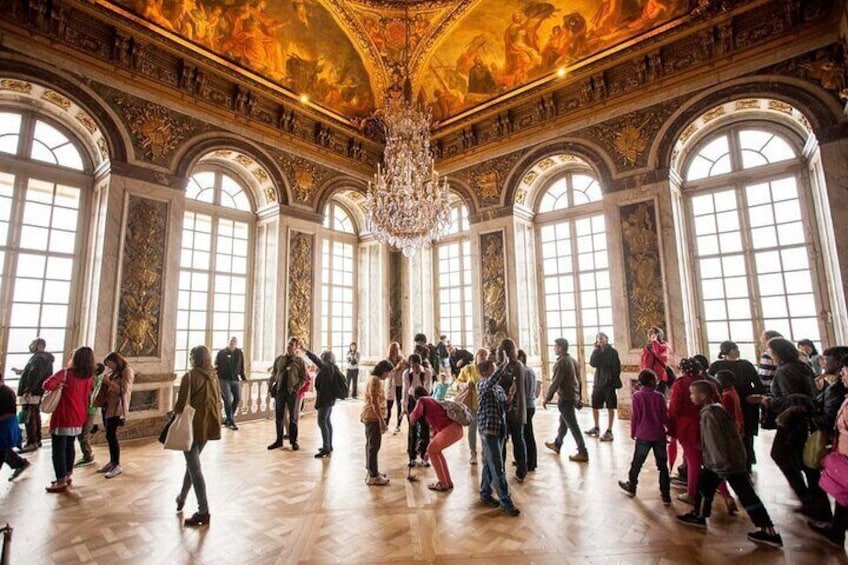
{"x":724,"y":453}
{"x":565,"y":382}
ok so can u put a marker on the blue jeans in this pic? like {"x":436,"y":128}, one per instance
{"x":231,"y":392}
{"x":326,"y":427}
{"x":568,"y":421}
{"x":640,"y":454}
{"x":493,"y":469}
{"x":63,"y":456}
{"x":194,"y":477}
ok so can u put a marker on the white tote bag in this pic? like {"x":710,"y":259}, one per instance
{"x":181,"y":433}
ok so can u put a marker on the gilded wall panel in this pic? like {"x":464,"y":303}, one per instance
{"x":142,"y":269}
{"x":395,"y":297}
{"x":301,"y":246}
{"x":643,"y":272}
{"x":493,"y":286}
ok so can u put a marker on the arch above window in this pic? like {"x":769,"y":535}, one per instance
{"x":219,"y":188}
{"x":570,"y":189}
{"x":738,"y":148}
{"x":557,"y":182}
{"x":46,"y":143}
{"x":458,"y":216}
{"x":337,"y":218}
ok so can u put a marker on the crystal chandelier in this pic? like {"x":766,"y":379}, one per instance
{"x":408,"y":206}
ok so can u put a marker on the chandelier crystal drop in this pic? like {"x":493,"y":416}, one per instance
{"x":408,"y":205}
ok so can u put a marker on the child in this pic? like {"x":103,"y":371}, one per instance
{"x":649,"y":427}
{"x":730,"y":398}
{"x":724,"y":458}
{"x":441,"y":389}
{"x":373,"y":416}
{"x":10,"y":432}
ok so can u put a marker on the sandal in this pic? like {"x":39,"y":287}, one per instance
{"x":438,"y":487}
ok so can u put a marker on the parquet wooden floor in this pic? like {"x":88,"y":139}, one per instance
{"x":286,"y":507}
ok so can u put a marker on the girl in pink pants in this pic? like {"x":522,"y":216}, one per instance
{"x":445,"y":432}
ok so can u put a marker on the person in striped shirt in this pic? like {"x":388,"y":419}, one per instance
{"x":767,"y":366}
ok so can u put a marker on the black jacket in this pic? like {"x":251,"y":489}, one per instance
{"x":324,"y":393}
{"x":747,"y":383}
{"x":460,"y":355}
{"x":230,"y":364}
{"x":828,"y":403}
{"x":37,"y":370}
{"x":607,"y":367}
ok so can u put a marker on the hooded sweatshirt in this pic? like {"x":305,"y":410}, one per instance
{"x":724,"y":453}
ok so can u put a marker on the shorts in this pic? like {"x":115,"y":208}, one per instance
{"x":604,"y":395}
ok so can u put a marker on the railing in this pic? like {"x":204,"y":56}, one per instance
{"x":255,"y":402}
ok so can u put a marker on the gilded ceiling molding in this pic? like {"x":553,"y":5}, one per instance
{"x":301,"y":251}
{"x":142,"y":266}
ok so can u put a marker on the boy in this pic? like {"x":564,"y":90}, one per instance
{"x":441,"y":389}
{"x":649,"y":427}
{"x":725,"y":459}
{"x":372,"y":416}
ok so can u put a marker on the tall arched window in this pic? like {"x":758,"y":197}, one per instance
{"x":337,"y":281}
{"x":214,"y":263}
{"x":44,"y":180}
{"x":454,"y":303}
{"x":575,"y":263}
{"x":750,"y":226}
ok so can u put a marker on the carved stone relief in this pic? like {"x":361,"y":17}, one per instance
{"x":493,"y":287}
{"x":156,"y":131}
{"x":305,"y":177}
{"x":140,"y":302}
{"x":487,"y":178}
{"x":300,"y":285}
{"x":643,"y":274}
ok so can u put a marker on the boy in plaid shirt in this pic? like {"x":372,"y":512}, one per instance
{"x":491,"y":423}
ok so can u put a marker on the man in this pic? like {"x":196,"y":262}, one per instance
{"x":229,"y":363}
{"x":418,"y":438}
{"x":458,"y":359}
{"x":37,"y":370}
{"x":566,"y":383}
{"x":607,"y":380}
{"x":443,"y":349}
{"x":288,"y":376}
{"x":427,"y":351}
{"x":491,"y":423}
{"x":767,"y":367}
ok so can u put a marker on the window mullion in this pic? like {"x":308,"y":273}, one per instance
{"x":575,"y":273}
{"x":210,"y":283}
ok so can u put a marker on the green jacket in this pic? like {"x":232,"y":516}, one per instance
{"x":98,"y":382}
{"x":290,"y":370}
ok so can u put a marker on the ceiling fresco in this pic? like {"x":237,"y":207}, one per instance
{"x":460,"y":53}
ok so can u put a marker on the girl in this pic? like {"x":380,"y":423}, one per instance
{"x":202,"y":381}
{"x":655,"y":357}
{"x":445,"y":432}
{"x":394,"y":384}
{"x":67,"y":420}
{"x":375,"y":423}
{"x":352,"y":369}
{"x":683,"y":424}
{"x":118,"y":382}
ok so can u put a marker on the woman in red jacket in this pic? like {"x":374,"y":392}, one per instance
{"x":67,"y":420}
{"x":655,"y":357}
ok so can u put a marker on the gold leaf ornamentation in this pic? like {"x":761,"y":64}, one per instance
{"x":155,"y":130}
{"x":300,"y":285}
{"x":751,"y":104}
{"x":713,"y":114}
{"x":56,"y":99}
{"x":493,"y":275}
{"x":15,"y":85}
{"x":87,"y":122}
{"x":140,"y":302}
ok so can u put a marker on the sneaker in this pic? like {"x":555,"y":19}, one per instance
{"x":666,"y":499}
{"x":607,"y":436}
{"x":58,"y":486}
{"x":295,"y":447}
{"x":827,"y":533}
{"x":322,"y":454}
{"x":579,"y":457}
{"x":114,"y":472}
{"x":686,"y":498}
{"x":552,"y":446}
{"x":411,"y":463}
{"x":17,"y":472}
{"x":594,"y":432}
{"x":693,"y":519}
{"x":377,"y":481}
{"x":275,"y":445}
{"x":105,"y":468}
{"x":234,"y":427}
{"x":490,"y":500}
{"x":765,"y":538}
{"x":510,"y":510}
{"x":197,"y":519}
{"x":84,"y":462}
{"x":628,"y":488}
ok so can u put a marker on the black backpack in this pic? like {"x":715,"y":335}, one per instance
{"x":339,"y":384}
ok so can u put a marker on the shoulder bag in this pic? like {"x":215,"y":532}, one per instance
{"x":815,"y":449}
{"x":180,"y":434}
{"x":51,"y":398}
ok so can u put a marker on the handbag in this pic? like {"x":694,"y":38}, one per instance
{"x":834,"y":477}
{"x":163,"y":435}
{"x":815,"y":449}
{"x":464,"y":396}
{"x":180,"y":434}
{"x":51,"y":398}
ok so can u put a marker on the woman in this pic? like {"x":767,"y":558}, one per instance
{"x":747,"y":382}
{"x":69,"y":416}
{"x":792,"y":403}
{"x":445,"y":432}
{"x":352,"y":369}
{"x":810,"y":355}
{"x":394,"y":384}
{"x":467,"y":380}
{"x":325,"y":397}
{"x":118,"y":382}
{"x":532,"y":392}
{"x":202,"y":383}
{"x":655,"y":357}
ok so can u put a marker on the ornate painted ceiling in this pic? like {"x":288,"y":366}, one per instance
{"x":343,"y":55}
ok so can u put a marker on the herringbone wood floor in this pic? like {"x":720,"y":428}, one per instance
{"x":286,"y":507}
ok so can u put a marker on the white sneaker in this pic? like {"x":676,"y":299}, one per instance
{"x":114,"y":472}
{"x":377,"y":481}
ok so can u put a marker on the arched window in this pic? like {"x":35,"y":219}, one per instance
{"x":337,"y":280}
{"x":214,"y":263}
{"x":454,"y":303}
{"x":750,"y":227}
{"x":44,"y":180}
{"x":575,"y":263}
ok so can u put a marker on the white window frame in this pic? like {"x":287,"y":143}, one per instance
{"x":325,"y":324}
{"x":461,"y":237}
